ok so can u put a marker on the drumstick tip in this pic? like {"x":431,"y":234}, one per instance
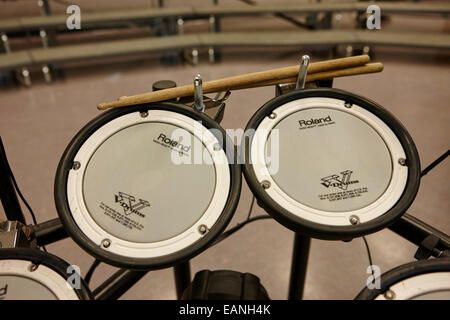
{"x":378,"y":66}
{"x":102,"y":106}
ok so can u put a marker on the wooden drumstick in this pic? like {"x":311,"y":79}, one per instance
{"x":368,"y":68}
{"x":236,"y":81}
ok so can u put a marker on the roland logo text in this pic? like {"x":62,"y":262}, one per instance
{"x":173,"y":143}
{"x":313,"y":121}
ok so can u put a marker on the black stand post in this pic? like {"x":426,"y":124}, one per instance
{"x":299,"y":265}
{"x":182,"y":274}
{"x":8,"y":194}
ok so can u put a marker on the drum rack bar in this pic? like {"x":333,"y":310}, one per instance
{"x":49,"y":231}
{"x":415,"y":231}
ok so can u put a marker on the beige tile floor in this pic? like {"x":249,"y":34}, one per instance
{"x":36,"y":125}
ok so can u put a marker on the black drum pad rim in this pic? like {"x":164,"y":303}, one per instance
{"x":66,"y":163}
{"x":322,"y":231}
{"x":49,"y":260}
{"x":403,"y":272}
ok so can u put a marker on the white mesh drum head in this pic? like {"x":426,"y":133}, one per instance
{"x":22,"y":288}
{"x":338,"y":164}
{"x":135,"y":191}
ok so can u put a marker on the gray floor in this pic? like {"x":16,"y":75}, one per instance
{"x":36,"y":124}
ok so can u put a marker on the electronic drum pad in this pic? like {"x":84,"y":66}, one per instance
{"x":418,"y":280}
{"x":330,"y":164}
{"x":148,"y":186}
{"x":30,"y":274}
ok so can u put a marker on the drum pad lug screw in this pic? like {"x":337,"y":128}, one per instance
{"x":348,"y":105}
{"x":76,"y":165}
{"x":272,"y":115}
{"x":389,"y":295}
{"x":217,"y":147}
{"x":144,"y":114}
{"x":402,"y":161}
{"x":106,"y":243}
{"x":354,"y":219}
{"x":203,"y":229}
{"x":265,"y":184}
{"x":33,"y":267}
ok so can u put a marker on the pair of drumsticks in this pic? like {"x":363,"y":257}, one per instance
{"x":316,"y":71}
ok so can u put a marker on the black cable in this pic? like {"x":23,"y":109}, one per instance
{"x":240,"y":225}
{"x":91,"y":270}
{"x":229,"y":232}
{"x":16,"y":186}
{"x":435,"y":163}
{"x":13,"y":179}
{"x":370,"y":258}
{"x":251,"y":208}
{"x":33,"y":217}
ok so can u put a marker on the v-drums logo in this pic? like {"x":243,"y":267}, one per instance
{"x":130,"y":205}
{"x":341,"y":182}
